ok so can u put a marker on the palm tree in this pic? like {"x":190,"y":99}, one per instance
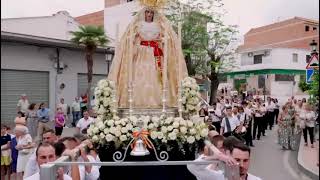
{"x":90,"y":37}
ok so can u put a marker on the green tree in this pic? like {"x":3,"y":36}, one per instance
{"x":206,"y":40}
{"x":314,"y":90}
{"x":90,"y":37}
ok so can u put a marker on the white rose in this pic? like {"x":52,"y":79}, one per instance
{"x":155,"y":119}
{"x":183,"y":130}
{"x":175,"y":131}
{"x":112,"y":130}
{"x":183,"y":123}
{"x":175,"y":124}
{"x":117,"y":133}
{"x":151,"y":126}
{"x":164,"y":129}
{"x":95,"y":138}
{"x":129,"y":126}
{"x":164,"y":140}
{"x":110,"y":123}
{"x":153,"y":134}
{"x":204,"y":132}
{"x":102,"y":135}
{"x":189,"y":123}
{"x":193,"y":131}
{"x":116,"y":118}
{"x":160,"y":135}
{"x":109,"y":137}
{"x":198,"y":137}
{"x":123,"y":138}
{"x":190,"y":139}
{"x":118,"y":127}
{"x":123,"y":122}
{"x":156,"y":125}
{"x":106,"y":131}
{"x":170,"y":128}
{"x":190,"y":107}
{"x":172,"y":136}
{"x":117,"y":123}
{"x":124,"y":130}
{"x":101,"y":110}
{"x":101,"y":126}
{"x":95,"y":130}
{"x":112,"y":84}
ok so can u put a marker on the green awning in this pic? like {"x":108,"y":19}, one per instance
{"x":245,"y":74}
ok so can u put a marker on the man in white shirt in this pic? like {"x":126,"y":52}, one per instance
{"x":270,"y":106}
{"x":46,"y":153}
{"x":76,"y":111}
{"x":240,"y":153}
{"x":259,"y":112}
{"x":229,"y":123}
{"x":84,"y":122}
{"x":215,"y":116}
{"x":23,"y":104}
{"x":32,"y":167}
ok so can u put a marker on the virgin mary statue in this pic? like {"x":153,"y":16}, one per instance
{"x":146,"y":51}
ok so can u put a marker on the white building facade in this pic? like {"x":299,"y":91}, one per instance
{"x":29,"y":56}
{"x":277,"y":71}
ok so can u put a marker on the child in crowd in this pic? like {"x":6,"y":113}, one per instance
{"x":59,"y":122}
{"x":5,"y":152}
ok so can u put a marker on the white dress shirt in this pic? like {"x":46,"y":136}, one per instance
{"x":94,"y":174}
{"x":82,"y":123}
{"x":270,"y":106}
{"x":32,"y":166}
{"x":202,"y":172}
{"x":37,"y":177}
{"x":234,"y":122}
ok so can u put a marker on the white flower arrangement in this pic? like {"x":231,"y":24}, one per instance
{"x":105,"y":99}
{"x":190,"y":96}
{"x":161,"y":130}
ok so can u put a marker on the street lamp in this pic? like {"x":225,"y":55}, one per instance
{"x":109,"y":58}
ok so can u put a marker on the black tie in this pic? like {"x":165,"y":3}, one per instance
{"x":228,"y":125}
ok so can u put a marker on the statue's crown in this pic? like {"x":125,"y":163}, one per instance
{"x":153,"y":4}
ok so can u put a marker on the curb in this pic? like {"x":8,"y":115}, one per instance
{"x":301,"y":165}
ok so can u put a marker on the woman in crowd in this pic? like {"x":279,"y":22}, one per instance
{"x":24,"y":147}
{"x":276,"y":108}
{"x":32,"y":119}
{"x":20,"y":119}
{"x":286,"y":138}
{"x":309,"y":118}
{"x":59,"y":122}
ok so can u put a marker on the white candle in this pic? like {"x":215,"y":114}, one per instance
{"x":164,"y":73}
{"x":130,"y":70}
{"x":179,"y":73}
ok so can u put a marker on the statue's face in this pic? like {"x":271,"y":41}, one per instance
{"x":149,"y":15}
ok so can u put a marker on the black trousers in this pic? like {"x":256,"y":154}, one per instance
{"x":270,"y":120}
{"x":276,"y":115}
{"x":264,"y":124}
{"x":311,"y":134}
{"x":248,"y":135}
{"x":257,"y":125}
{"x":217,"y":125}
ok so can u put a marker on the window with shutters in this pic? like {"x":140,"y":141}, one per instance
{"x":284,"y":77}
{"x":257,"y":59}
{"x":295,"y":57}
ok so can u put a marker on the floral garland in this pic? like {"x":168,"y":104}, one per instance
{"x":190,"y":96}
{"x":161,"y":129}
{"x":109,"y":129}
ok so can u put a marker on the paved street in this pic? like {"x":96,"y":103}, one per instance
{"x":270,"y":162}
